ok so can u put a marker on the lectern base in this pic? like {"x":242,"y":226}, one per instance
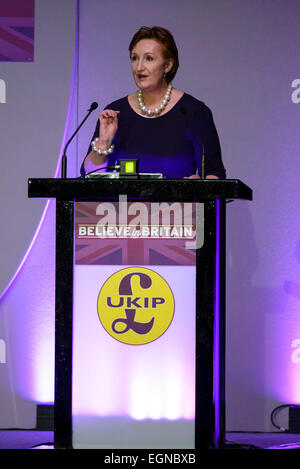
{"x":99,"y":433}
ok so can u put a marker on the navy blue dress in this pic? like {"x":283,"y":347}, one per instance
{"x":170,"y":144}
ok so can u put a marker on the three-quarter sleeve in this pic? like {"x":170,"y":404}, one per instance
{"x":206,"y":139}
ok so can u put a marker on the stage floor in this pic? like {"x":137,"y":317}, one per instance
{"x":32,"y":439}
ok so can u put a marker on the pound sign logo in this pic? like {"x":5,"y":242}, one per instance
{"x":135,"y":305}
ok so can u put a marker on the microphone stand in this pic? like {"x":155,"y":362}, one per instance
{"x":203,"y":164}
{"x":202,"y":176}
{"x":64,"y":158}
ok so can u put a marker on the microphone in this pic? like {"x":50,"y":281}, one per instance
{"x":64,"y":158}
{"x":93,"y":106}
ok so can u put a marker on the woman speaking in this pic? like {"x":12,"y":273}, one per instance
{"x":166,"y":129}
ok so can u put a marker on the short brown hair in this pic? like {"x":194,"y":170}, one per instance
{"x":163,"y":36}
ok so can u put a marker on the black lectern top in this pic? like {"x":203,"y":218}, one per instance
{"x":154,"y":189}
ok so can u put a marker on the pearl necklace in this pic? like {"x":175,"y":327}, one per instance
{"x":158,"y":110}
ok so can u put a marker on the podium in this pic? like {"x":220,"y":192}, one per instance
{"x":203,"y":309}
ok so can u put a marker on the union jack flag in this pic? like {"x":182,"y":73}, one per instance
{"x":131,"y":250}
{"x":17,"y":31}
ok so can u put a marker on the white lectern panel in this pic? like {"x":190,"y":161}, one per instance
{"x":133,"y":332}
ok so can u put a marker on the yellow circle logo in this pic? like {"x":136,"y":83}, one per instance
{"x":135,"y":305}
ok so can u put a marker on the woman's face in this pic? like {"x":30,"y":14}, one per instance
{"x":149,"y":65}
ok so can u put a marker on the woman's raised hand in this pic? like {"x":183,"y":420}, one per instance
{"x":108,"y":127}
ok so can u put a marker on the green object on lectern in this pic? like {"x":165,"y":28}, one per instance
{"x":129,"y":168}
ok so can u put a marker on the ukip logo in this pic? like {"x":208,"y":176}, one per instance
{"x":135,"y":305}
